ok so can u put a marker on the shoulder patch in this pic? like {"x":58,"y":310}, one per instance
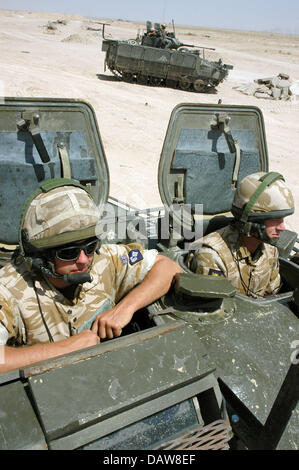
{"x":134,"y":256}
{"x":214,"y":272}
{"x":124,"y":259}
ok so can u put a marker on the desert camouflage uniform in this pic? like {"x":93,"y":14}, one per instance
{"x":115,"y":271}
{"x":221,"y":254}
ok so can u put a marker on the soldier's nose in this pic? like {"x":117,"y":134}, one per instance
{"x":281,"y":226}
{"x":82,"y":259}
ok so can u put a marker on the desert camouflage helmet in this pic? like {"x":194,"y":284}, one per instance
{"x":262,"y":196}
{"x":59,"y":212}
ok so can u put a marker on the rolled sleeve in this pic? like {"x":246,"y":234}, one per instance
{"x":131,"y":264}
{"x":149,"y":257}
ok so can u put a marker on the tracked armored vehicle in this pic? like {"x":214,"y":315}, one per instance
{"x":202,"y":368}
{"x":163,"y":60}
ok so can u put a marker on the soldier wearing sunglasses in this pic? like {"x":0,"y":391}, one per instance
{"x":65,"y":291}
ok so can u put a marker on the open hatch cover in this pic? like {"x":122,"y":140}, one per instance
{"x":43,"y":138}
{"x":208,"y":149}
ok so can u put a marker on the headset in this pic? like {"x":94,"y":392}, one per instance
{"x":252,"y":225}
{"x":34,"y":257}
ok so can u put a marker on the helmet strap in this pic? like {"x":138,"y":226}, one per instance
{"x":256,"y":230}
{"x":266,"y":180}
{"x":38,"y":264}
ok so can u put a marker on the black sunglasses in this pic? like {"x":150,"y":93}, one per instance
{"x":72,"y":253}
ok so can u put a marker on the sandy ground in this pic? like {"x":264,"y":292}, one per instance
{"x":68,"y":63}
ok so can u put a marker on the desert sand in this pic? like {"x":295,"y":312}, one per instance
{"x":67,"y":62}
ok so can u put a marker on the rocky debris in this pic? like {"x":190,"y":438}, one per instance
{"x":64,"y":22}
{"x":91,"y":28}
{"x":77,"y":38}
{"x":275,"y":88}
{"x":51,"y":25}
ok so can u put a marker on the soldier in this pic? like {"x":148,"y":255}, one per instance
{"x":165,"y":43}
{"x":155,"y":36}
{"x":63,"y":291}
{"x":163,"y":29}
{"x":245,"y":251}
{"x":152,"y":32}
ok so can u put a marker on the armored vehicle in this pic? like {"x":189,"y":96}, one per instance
{"x":202,"y":368}
{"x":160,"y":59}
{"x":158,"y":36}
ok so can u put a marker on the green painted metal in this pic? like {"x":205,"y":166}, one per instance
{"x":19,"y":427}
{"x":117,"y":381}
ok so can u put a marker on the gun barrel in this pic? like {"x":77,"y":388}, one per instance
{"x":210,"y":48}
{"x":201,"y":47}
{"x":187,"y":45}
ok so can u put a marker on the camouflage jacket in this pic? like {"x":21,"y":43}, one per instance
{"x":222,"y":254}
{"x":115,"y":271}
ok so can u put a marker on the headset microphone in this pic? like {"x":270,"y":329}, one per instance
{"x":74,"y":278}
{"x":77,"y":278}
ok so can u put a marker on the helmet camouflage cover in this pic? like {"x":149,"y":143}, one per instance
{"x":63,"y":214}
{"x":262,"y":196}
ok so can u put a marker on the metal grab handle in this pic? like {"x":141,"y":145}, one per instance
{"x":66,"y":171}
{"x":221,"y":122}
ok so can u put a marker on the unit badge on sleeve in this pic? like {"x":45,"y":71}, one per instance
{"x":134,"y":256}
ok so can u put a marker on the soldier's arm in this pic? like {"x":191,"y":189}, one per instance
{"x":207,"y":261}
{"x":17,"y":357}
{"x":155,"y":284}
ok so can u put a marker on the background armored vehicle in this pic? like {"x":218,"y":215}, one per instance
{"x":158,"y":36}
{"x":194,"y":364}
{"x":159,"y":59}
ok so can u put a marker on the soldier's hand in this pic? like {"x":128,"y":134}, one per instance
{"x":110,"y":324}
{"x":83,"y":340}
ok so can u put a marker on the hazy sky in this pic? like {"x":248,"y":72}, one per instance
{"x":259,"y":15}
